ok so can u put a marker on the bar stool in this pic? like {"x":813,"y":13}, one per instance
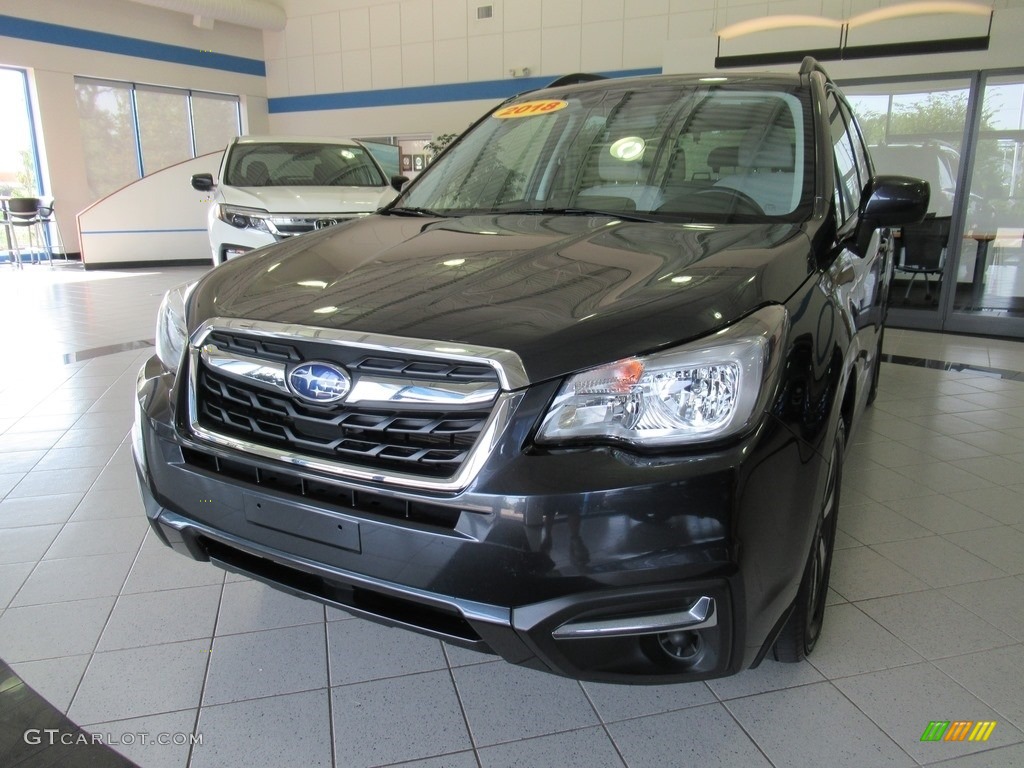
{"x":46,"y":218}
{"x":13,"y":251}
{"x":24,"y":212}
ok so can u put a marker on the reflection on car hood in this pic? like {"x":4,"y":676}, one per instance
{"x":563,"y":292}
{"x":308,"y":199}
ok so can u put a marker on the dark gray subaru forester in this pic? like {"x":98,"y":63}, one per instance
{"x":578,"y":397}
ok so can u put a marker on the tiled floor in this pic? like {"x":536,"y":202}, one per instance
{"x":926,"y":619}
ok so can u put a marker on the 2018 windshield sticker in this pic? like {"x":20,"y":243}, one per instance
{"x":531,"y":108}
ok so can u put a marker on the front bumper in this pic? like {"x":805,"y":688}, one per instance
{"x":592,"y":564}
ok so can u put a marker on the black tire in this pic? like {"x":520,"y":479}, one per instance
{"x":876,"y":372}
{"x":803,"y":628}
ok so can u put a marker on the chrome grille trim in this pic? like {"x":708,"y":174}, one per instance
{"x":365,"y":389}
{"x":506,"y":363}
{"x":508,"y":368}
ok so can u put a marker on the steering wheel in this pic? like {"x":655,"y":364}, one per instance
{"x":734,"y":201}
{"x":344,"y":173}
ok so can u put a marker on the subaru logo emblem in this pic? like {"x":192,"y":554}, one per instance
{"x":324,"y":223}
{"x":319,"y":382}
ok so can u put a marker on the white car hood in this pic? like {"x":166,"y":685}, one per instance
{"x":300,"y":200}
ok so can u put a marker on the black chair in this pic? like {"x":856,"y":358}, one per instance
{"x":47,"y":216}
{"x":923,"y":251}
{"x":23,"y":212}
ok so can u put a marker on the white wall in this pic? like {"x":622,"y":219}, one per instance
{"x":52,"y":69}
{"x":344,"y":46}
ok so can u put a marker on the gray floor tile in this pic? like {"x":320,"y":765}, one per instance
{"x":29,"y":441}
{"x":56,"y":680}
{"x":291,"y":730}
{"x":98,"y":537}
{"x":162,"y":617}
{"x":159,"y":567}
{"x":504,"y":702}
{"x":769,"y":676}
{"x":852,"y":643}
{"x":38,"y":510}
{"x":861,"y":573}
{"x":43,"y":483}
{"x":586,"y":748}
{"x":942,"y":514}
{"x":80,"y":438}
{"x":1002,"y":547}
{"x":9,"y":481}
{"x":70,"y":458}
{"x":26,"y":545}
{"x":938,"y":562}
{"x":903,"y":701}
{"x":815,"y":709}
{"x":267,"y":663}
{"x":876,"y":523}
{"x":156,"y":741}
{"x":12,"y":576}
{"x":995,"y":469}
{"x":249,"y":606}
{"x":884,"y":485}
{"x":622,"y":702}
{"x":463,"y":657}
{"x":933,"y":625}
{"x":74,"y":578}
{"x":704,"y":736}
{"x":100,"y":504}
{"x":453,"y":760}
{"x":41,"y":631}
{"x":1005,"y":757}
{"x":137,"y":682}
{"x":1001,"y":504}
{"x":425,"y":705}
{"x":19,"y":462}
{"x":999,"y":602}
{"x":996,"y":678}
{"x":361,"y":651}
{"x":943,"y":477}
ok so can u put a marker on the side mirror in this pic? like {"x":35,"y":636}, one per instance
{"x":203,"y":182}
{"x":890,"y":201}
{"x":397,"y":182}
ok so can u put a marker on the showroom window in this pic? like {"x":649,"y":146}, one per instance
{"x":130,"y":131}
{"x":19,"y":169}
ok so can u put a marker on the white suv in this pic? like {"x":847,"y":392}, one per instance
{"x":273,"y":187}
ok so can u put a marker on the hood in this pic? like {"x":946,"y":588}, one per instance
{"x":299,"y":200}
{"x":563,"y":292}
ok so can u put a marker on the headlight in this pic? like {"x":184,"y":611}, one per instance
{"x":705,"y":390}
{"x":171,"y":331}
{"x":243,"y":218}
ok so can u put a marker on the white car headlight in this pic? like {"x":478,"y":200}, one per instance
{"x":706,"y":390}
{"x":171,"y":331}
{"x":243,"y":218}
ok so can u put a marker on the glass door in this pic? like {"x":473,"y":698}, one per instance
{"x":990,"y":270}
{"x":918,"y":128}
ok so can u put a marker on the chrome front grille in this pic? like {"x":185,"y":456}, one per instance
{"x":413,"y":417}
{"x":432,"y":442}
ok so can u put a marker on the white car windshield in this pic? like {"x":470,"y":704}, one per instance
{"x":293,"y":164}
{"x":661,"y":152}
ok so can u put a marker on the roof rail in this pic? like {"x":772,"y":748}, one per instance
{"x":811,"y":64}
{"x":575,"y":79}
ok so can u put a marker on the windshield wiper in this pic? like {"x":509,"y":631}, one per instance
{"x":407,"y":211}
{"x":583,"y":212}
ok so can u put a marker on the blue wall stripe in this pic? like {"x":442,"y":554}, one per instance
{"x":424,"y":94}
{"x":136,"y":231}
{"x":57,"y":34}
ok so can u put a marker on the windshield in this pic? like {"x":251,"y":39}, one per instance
{"x":293,"y":164}
{"x":656,"y":151}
